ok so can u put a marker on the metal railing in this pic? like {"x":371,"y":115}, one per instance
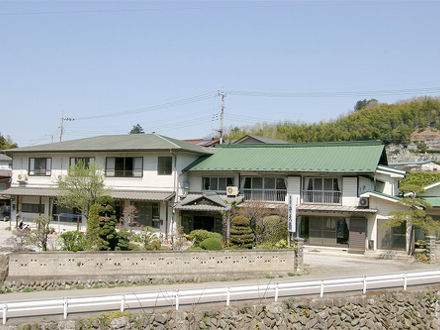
{"x":273,"y":195}
{"x":322,"y":197}
{"x":176,"y":298}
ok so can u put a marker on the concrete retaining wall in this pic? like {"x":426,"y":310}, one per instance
{"x":116,"y":265}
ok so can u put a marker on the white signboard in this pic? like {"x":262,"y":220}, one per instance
{"x":291,"y":216}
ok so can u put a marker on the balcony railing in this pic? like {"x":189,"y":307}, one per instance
{"x":322,"y":197}
{"x":271,"y":195}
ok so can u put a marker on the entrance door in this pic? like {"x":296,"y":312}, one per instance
{"x":322,"y":231}
{"x":357,"y":235}
{"x":204,"y":222}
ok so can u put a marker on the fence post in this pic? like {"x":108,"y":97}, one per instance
{"x":321,"y":294}
{"x":405,"y":282}
{"x":299,"y":253}
{"x":122,"y":303}
{"x":228,"y":297}
{"x":177,"y":300}
{"x":364,"y":290}
{"x":276,"y":292}
{"x":5,"y":310}
{"x":65,"y":305}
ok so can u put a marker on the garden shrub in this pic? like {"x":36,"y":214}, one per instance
{"x":211,"y":244}
{"x":270,"y":245}
{"x":271,"y":229}
{"x":199,"y":235}
{"x":241,"y":233}
{"x":73,"y":241}
{"x":150,"y":239}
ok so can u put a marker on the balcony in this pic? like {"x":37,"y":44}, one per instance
{"x":269,"y":195}
{"x":322,"y":197}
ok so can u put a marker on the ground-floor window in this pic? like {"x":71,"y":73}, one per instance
{"x":148,"y":214}
{"x":391,"y":238}
{"x":65,"y":214}
{"x":207,"y":222}
{"x":326,"y":231}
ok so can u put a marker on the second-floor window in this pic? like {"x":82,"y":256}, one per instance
{"x":40,"y":166}
{"x":264,"y":188}
{"x":123,"y":166}
{"x":164,"y":165}
{"x":86,"y":161}
{"x":217,"y":183}
{"x":322,"y":190}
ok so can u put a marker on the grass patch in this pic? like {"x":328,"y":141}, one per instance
{"x":80,"y":287}
{"x":269,"y":277}
{"x":8,"y":228}
{"x":28,"y":290}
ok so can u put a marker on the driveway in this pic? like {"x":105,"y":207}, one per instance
{"x":326,"y":264}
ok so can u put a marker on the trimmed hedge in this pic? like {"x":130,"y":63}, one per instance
{"x":199,"y":235}
{"x":241,"y":233}
{"x":211,"y":244}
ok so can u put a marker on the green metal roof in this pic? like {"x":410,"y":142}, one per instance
{"x":340,"y":157}
{"x":434,"y":201}
{"x":128,"y":142}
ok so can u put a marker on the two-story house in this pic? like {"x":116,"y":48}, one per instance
{"x":144,"y":170}
{"x":343,"y":191}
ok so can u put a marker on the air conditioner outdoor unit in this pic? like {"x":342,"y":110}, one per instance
{"x":232,"y":191}
{"x":22,"y":177}
{"x":364,"y":202}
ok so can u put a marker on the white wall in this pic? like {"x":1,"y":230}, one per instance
{"x":294,"y":187}
{"x":149,"y":181}
{"x":349,"y":191}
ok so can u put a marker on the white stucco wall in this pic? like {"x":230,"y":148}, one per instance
{"x":349,"y":191}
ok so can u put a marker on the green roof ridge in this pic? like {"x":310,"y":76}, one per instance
{"x":303,"y":144}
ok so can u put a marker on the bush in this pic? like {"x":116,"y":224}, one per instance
{"x":271,"y":229}
{"x":73,"y":241}
{"x":211,"y":244}
{"x":269,"y":245}
{"x":241,"y":233}
{"x":150,"y":239}
{"x":199,"y":235}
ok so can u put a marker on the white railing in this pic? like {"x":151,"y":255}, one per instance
{"x":175,"y":298}
{"x":272,"y":195}
{"x":322,"y":197}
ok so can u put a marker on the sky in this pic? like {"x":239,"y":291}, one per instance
{"x":161,"y":63}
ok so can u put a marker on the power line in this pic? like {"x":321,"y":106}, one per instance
{"x":256,"y":5}
{"x":179,"y":102}
{"x":336,"y":93}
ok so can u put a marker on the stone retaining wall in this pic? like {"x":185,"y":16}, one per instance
{"x":392,"y":310}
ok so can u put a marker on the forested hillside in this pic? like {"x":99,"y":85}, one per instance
{"x":390,"y":123}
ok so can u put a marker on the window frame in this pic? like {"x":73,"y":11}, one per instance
{"x":76,"y":158}
{"x":158,"y":163}
{"x":217,"y":178}
{"x":47,"y":172}
{"x":39,"y":208}
{"x":124,"y":176}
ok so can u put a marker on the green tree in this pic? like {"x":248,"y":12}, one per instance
{"x":81,"y":187}
{"x":361,"y":104}
{"x":414,"y":215}
{"x":93,"y":228}
{"x":7,"y":143}
{"x":241,"y":232}
{"x":108,"y":237}
{"x":137,"y":129}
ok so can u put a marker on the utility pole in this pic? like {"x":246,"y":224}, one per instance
{"x":63,"y":119}
{"x":222,"y":114}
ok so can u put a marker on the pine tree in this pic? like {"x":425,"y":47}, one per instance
{"x":241,"y":232}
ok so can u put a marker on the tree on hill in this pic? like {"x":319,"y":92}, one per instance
{"x":390,"y":123}
{"x":361,"y":104}
{"x":137,"y":129}
{"x":7,"y":143}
